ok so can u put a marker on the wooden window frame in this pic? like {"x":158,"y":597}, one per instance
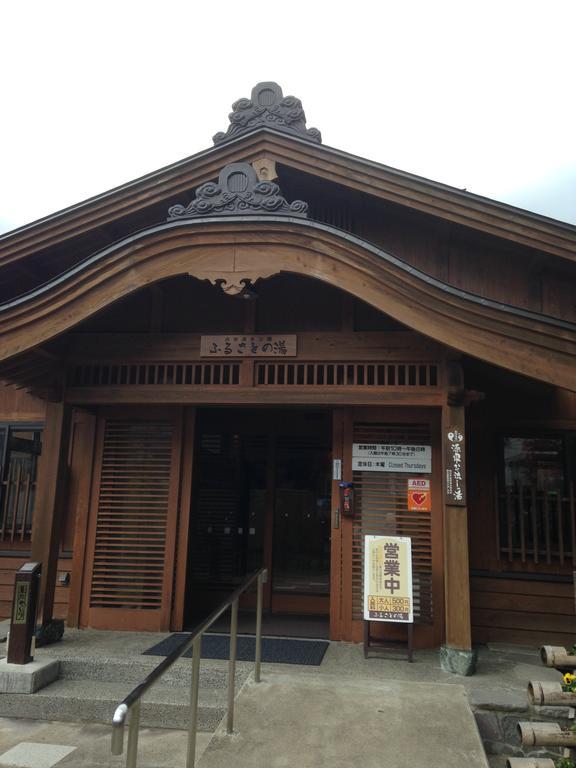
{"x":525,"y":562}
{"x":18,"y":538}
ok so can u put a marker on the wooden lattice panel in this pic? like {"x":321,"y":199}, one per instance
{"x":132,"y":515}
{"x":382,"y":510}
{"x":151,"y":374}
{"x":537,"y":526}
{"x":347,"y":374}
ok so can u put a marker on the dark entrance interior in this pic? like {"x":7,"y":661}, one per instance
{"x":262,"y":485}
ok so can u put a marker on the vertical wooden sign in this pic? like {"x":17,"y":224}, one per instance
{"x":455,"y":468}
{"x":388,"y":579}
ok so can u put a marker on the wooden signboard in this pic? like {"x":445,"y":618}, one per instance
{"x":248,"y":346}
{"x":455,"y":480}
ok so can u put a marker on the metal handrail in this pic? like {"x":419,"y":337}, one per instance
{"x":131,"y":703}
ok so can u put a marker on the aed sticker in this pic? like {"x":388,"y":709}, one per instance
{"x":419,"y":495}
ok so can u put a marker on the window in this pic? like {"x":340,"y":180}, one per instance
{"x":20,"y":447}
{"x":536,"y":499}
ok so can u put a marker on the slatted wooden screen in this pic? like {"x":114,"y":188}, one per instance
{"x":154,"y":374}
{"x":133,"y":524}
{"x":347,"y":375}
{"x":382,"y":509}
{"x":537,"y":527}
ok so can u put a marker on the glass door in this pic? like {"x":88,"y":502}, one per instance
{"x":261,"y":498}
{"x":301,"y":521}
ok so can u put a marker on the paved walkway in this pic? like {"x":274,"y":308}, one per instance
{"x":315,"y":721}
{"x":349,"y":711}
{"x":37,"y":744}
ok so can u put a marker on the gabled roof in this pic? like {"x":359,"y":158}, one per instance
{"x":349,"y":171}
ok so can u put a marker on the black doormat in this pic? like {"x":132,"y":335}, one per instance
{"x":275,"y":650}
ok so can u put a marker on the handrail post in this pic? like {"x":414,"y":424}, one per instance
{"x":258,"y":655}
{"x":232,"y":666}
{"x":194,"y":685}
{"x":133,"y":732}
{"x":131,"y":705}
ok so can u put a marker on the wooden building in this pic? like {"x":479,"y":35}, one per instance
{"x":191,"y":360}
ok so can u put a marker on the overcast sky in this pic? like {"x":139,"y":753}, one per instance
{"x":479,"y":95}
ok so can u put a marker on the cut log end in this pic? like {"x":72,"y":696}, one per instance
{"x":557,"y":656}
{"x":549,"y":694}
{"x":545,"y":735}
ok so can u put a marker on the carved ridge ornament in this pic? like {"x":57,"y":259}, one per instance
{"x":238,"y":191}
{"x":268,"y":107}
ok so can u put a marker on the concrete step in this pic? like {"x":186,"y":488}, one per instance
{"x":94,"y":701}
{"x":133,"y":670}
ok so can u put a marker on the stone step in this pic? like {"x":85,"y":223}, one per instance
{"x":133,"y":670}
{"x":94,"y":701}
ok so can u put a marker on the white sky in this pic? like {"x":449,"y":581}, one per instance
{"x":479,"y":95}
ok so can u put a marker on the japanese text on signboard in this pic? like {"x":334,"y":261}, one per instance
{"x":388,"y":579}
{"x":248,"y":346}
{"x":21,"y":596}
{"x":455,"y":473}
{"x":376,"y":457}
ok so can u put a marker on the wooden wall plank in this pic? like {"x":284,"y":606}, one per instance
{"x":9,"y":566}
{"x":18,"y":405}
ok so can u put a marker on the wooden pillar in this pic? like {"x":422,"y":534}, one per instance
{"x":49,"y":503}
{"x":456,"y":567}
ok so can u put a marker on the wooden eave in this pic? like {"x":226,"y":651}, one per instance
{"x":352,"y":172}
{"x":253,"y":247}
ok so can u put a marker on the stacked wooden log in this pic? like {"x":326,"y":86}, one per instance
{"x":534,"y":734}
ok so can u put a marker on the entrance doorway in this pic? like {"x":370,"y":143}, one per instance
{"x":262,"y":497}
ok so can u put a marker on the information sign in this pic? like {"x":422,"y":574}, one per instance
{"x":388,"y":579}
{"x":376,"y":457}
{"x":419,"y":495}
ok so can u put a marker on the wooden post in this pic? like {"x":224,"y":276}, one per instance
{"x":49,"y":503}
{"x":456,"y":569}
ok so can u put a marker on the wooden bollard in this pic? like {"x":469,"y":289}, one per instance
{"x":550,"y":694}
{"x":545,"y":735}
{"x":529,"y":762}
{"x":558,"y":657}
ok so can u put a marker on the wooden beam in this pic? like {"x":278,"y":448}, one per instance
{"x":456,"y":567}
{"x":186,"y":486}
{"x":49,"y":503}
{"x":81,"y":458}
{"x":90,"y":348}
{"x":168,"y":394}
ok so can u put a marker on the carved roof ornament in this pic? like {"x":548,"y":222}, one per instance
{"x":268,"y":107}
{"x":238,"y":192}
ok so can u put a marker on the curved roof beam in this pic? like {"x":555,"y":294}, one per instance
{"x":251,"y":247}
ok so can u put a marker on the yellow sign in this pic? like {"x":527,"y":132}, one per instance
{"x":388,"y":579}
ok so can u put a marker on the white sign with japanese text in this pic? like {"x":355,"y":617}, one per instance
{"x":391,"y":458}
{"x":388,"y":592}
